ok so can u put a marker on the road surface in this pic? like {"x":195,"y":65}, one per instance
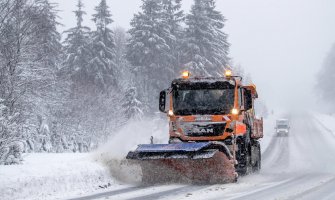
{"x":300,"y":166}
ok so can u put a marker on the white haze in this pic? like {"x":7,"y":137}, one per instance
{"x":113,"y":153}
{"x":282,"y":44}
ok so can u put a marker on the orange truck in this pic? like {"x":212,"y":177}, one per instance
{"x":214,"y":133}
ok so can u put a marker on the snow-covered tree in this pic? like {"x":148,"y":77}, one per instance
{"x":51,"y":102}
{"x":102,"y":65}
{"x":9,"y":136}
{"x":92,"y":108}
{"x":132,"y":105}
{"x":206,"y":47}
{"x":174,"y":17}
{"x":47,"y":36}
{"x":19,"y":71}
{"x":120,"y":39}
{"x":47,"y":59}
{"x":149,"y":52}
{"x":125,"y":76}
{"x":78,"y":52}
{"x":76,"y":72}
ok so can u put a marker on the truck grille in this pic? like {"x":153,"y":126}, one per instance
{"x":199,"y":130}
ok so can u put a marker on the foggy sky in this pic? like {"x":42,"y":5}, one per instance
{"x":282,"y":44}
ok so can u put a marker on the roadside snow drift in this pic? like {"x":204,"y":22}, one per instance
{"x":52,"y":176}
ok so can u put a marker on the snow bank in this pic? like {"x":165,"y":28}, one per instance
{"x":113,"y":153}
{"x":52,"y":176}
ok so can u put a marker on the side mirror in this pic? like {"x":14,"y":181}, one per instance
{"x":248,"y":99}
{"x":162,"y":101}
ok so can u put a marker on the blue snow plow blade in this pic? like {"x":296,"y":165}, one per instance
{"x":198,"y":150}
{"x":178,"y":147}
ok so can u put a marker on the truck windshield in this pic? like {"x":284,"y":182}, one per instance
{"x":282,"y":126}
{"x":203,"y":101}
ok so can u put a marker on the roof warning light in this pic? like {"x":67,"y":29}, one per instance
{"x":228,"y":73}
{"x":185,"y":74}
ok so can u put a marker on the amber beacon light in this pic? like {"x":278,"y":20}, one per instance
{"x":228,"y":73}
{"x":185,"y":74}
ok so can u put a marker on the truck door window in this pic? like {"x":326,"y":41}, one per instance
{"x":240,"y":97}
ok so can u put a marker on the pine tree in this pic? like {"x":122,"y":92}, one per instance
{"x":79,"y":82}
{"x":132,"y":105}
{"x":47,"y":36}
{"x":148,"y":51}
{"x":174,"y":17}
{"x":206,"y":47}
{"x":47,"y":59}
{"x":220,"y":45}
{"x":78,"y":52}
{"x":103,"y":66}
{"x":124,"y":68}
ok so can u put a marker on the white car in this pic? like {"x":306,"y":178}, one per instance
{"x":282,"y":127}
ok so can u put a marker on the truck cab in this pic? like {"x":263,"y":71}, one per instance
{"x":210,"y":109}
{"x":282,"y":127}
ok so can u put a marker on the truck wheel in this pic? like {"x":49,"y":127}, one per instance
{"x":243,"y":156}
{"x":258,"y":164}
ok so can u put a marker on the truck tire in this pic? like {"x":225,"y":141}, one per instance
{"x":243,"y":156}
{"x":258,"y":164}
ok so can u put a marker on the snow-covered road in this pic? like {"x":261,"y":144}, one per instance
{"x":301,"y":166}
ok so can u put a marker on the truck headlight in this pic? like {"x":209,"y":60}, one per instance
{"x":170,"y":113}
{"x":235,"y":111}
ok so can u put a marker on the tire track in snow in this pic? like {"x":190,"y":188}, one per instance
{"x":277,"y":190}
{"x":173,"y":192}
{"x":312,"y":147}
{"x":277,"y":154}
{"x":123,"y":193}
{"x":325,"y":190}
{"x":110,"y":193}
{"x":282,"y":160}
{"x":269,"y":148}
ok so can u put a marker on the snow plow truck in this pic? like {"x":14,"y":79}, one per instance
{"x":213,"y":132}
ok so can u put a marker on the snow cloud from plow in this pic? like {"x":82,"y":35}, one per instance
{"x":113,"y":153}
